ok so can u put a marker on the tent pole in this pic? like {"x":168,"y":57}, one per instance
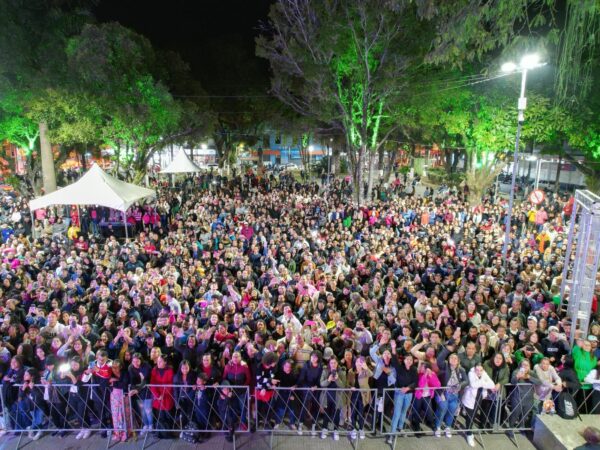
{"x":32,"y":225}
{"x":125,"y":223}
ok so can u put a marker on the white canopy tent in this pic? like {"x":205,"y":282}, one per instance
{"x":96,"y":187}
{"x":181,"y":164}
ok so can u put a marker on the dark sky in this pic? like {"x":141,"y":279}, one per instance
{"x":216,"y":37}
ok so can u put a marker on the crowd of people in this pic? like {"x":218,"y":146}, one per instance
{"x":316,"y":305}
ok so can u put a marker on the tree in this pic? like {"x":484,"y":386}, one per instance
{"x":119,"y":67}
{"x":17,"y":128}
{"x":338,"y":63}
{"x":33,"y":35}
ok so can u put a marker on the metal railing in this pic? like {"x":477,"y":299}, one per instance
{"x":195,"y":411}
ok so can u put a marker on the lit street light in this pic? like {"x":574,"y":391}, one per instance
{"x":528,"y":62}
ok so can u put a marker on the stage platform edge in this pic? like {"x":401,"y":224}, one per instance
{"x":552,"y":432}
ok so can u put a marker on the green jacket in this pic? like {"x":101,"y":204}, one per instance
{"x":535,"y":358}
{"x":347,"y":221}
{"x":503,"y":376}
{"x":584,"y":363}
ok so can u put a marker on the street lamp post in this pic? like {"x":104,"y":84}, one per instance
{"x":329,"y":154}
{"x":527,"y":63}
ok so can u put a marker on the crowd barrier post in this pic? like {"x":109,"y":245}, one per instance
{"x":282,"y":411}
{"x":190,"y":409}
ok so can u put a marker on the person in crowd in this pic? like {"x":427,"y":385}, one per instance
{"x":427,"y":386}
{"x":139,"y":377}
{"x":479,"y":387}
{"x":119,"y":405}
{"x":593,"y":378}
{"x":522,"y":399}
{"x":407,"y":380}
{"x":585,"y":362}
{"x":163,"y":400}
{"x":333,"y":380}
{"x":499,"y":372}
{"x":265,"y":384}
{"x":286,"y":401}
{"x":78,"y":395}
{"x":550,"y":381}
{"x":454,"y":379}
{"x":309,"y":380}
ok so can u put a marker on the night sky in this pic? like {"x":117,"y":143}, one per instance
{"x":216,"y":37}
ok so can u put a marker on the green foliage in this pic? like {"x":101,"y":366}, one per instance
{"x":130,"y":107}
{"x":73,"y":117}
{"x":469,"y":30}
{"x":15,"y":126}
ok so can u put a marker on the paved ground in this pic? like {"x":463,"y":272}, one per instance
{"x":261,"y":441}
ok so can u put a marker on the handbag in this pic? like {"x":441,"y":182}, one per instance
{"x":264,"y":395}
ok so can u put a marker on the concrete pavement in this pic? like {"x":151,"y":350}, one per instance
{"x":261,"y":441}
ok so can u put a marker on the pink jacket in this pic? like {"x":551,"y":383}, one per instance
{"x":432,"y":381}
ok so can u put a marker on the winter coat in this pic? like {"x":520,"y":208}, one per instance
{"x":339,"y":383}
{"x":162,"y":397}
{"x":310,"y":376}
{"x":475,"y":383}
{"x":430,"y":381}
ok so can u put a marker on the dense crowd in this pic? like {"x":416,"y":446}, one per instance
{"x":268,"y":282}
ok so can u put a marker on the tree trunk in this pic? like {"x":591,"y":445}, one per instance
{"x":358,"y":178}
{"x":447,"y":159}
{"x":48,"y":170}
{"x":457,"y":156}
{"x":370,"y":176}
{"x":387,"y":173}
{"x":335,"y":160}
{"x":558,"y":170}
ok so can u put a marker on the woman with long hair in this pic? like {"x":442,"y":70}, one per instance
{"x":499,"y":372}
{"x":163,"y":401}
{"x":333,"y":379}
{"x":359,"y":378}
{"x":119,"y":407}
{"x":427,"y":384}
{"x":479,"y":385}
{"x":406,"y":383}
{"x":184,"y":381}
{"x":454,"y":378}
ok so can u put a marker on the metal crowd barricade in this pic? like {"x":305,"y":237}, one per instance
{"x":418,"y":412}
{"x":584,"y":396}
{"x":518,"y":407}
{"x":190,"y":409}
{"x":314,"y":410}
{"x":40,"y":409}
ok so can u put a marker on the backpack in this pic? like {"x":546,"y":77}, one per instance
{"x":190,"y":433}
{"x":566,"y":406}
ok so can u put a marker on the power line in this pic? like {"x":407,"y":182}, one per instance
{"x":455,"y":80}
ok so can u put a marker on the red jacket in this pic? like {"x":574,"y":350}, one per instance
{"x":237,"y":374}
{"x":162,"y":397}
